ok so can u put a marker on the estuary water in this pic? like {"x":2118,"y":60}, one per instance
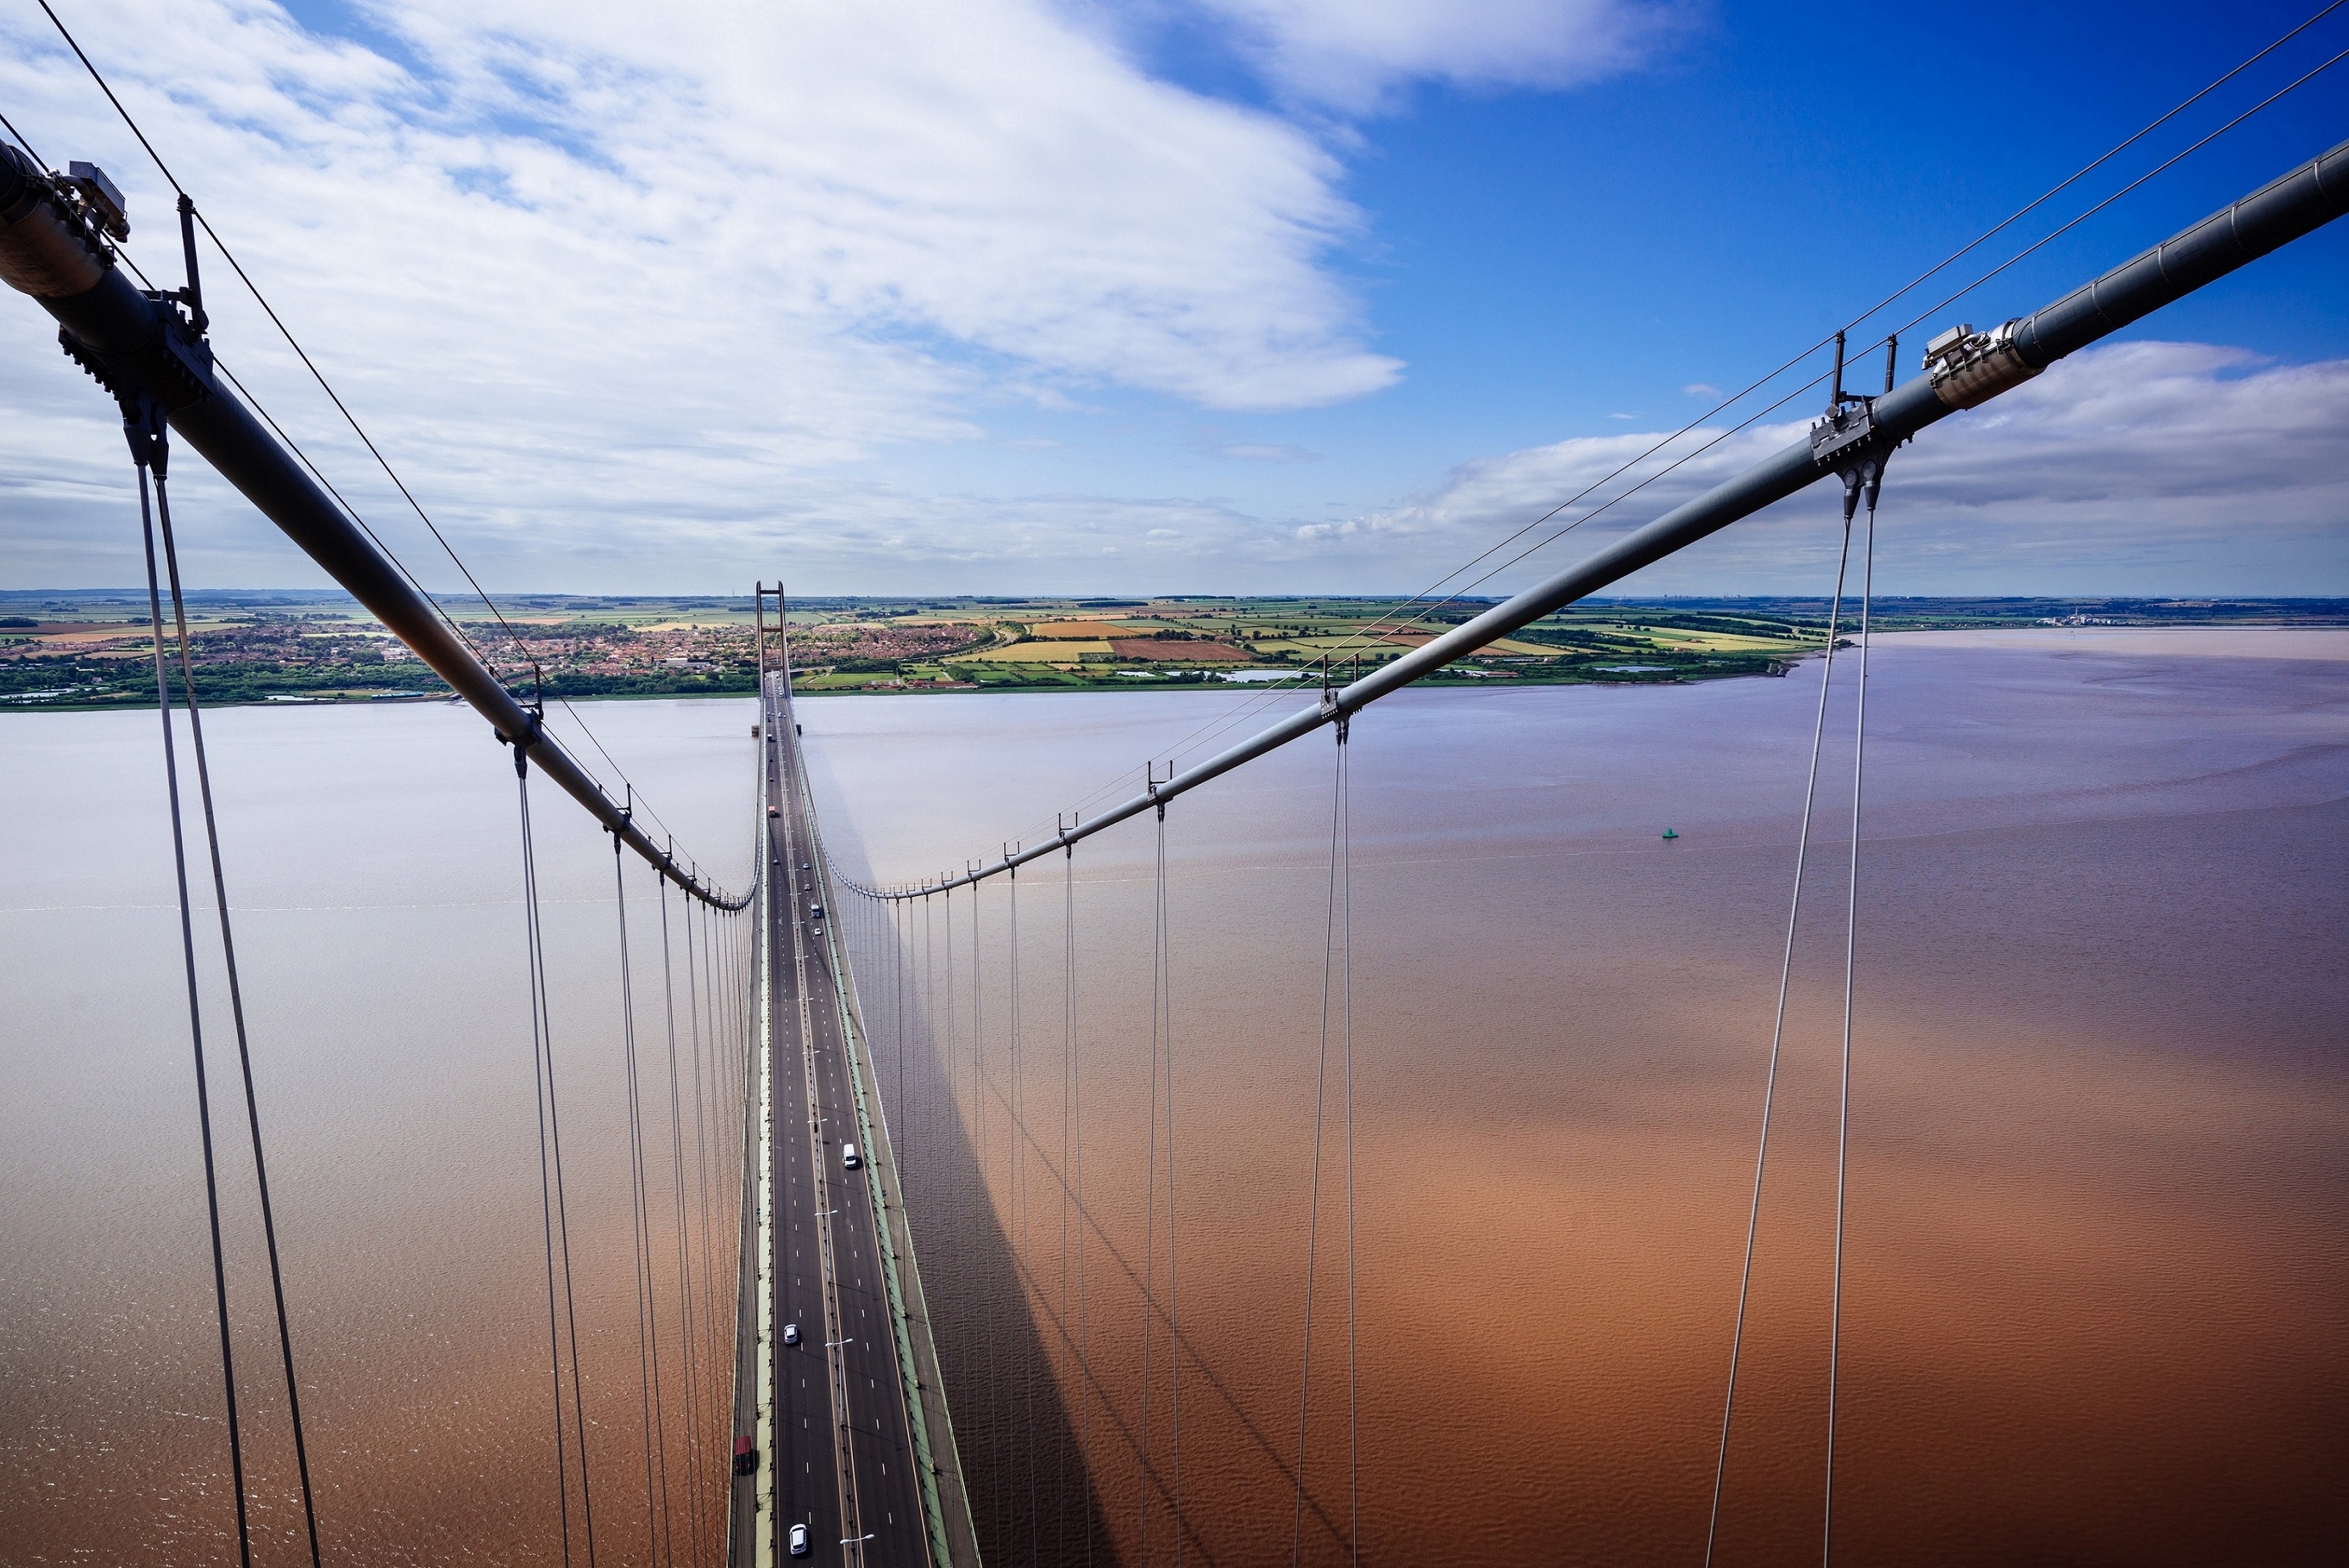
{"x":2095,"y":1282}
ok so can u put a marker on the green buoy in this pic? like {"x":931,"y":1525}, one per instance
{"x":1670,"y":833}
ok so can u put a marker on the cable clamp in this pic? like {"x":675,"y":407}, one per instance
{"x":1843,"y":428}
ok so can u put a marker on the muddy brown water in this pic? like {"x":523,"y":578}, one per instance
{"x":2095,"y":1259}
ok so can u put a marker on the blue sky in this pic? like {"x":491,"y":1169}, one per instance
{"x":1193,"y":295}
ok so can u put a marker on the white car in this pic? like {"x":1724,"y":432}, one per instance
{"x":849,"y":1157}
{"x":799,"y":1540}
{"x":791,"y":1334}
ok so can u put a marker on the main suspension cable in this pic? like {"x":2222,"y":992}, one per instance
{"x":521,"y":647}
{"x":1257,"y":700}
{"x":195,"y":1025}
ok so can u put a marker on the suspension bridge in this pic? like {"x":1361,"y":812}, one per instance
{"x":834,"y":1436}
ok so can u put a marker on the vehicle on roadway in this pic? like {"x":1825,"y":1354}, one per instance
{"x":816,"y":911}
{"x":848,"y":1156}
{"x":746,"y":1457}
{"x":774,"y":811}
{"x":799,"y":1540}
{"x":791,"y":1334}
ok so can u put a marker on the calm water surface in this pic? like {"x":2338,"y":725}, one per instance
{"x":2097,"y":1290}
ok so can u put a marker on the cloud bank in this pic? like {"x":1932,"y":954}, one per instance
{"x":2133,"y":467}
{"x":596,"y":271}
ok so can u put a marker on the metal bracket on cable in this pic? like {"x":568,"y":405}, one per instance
{"x":531,"y":736}
{"x":1847,"y":439}
{"x":1851,"y":417}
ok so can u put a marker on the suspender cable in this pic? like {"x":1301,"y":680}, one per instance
{"x":683,"y":1256}
{"x":1150,"y":1195}
{"x":1163,"y":990}
{"x":953,"y":1069}
{"x":195,"y":1015}
{"x":550,"y":1189}
{"x":236,"y":1011}
{"x":900,"y":973}
{"x":1850,"y":949}
{"x":1017,"y":1175}
{"x":711,"y":1367}
{"x":1077,"y":1113}
{"x":978,"y":1104}
{"x":1313,"y":1203}
{"x":1346,"y":1017}
{"x":1777,"y":1036}
{"x":1067,"y":1068}
{"x":647,"y":1331}
{"x":929,"y":1033}
{"x":552,"y":1140}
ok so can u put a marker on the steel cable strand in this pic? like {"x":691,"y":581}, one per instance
{"x":959,"y":1307}
{"x":1150,"y":1199}
{"x":683,"y":1256}
{"x":1313,"y":1207}
{"x":706,"y":1308}
{"x":1777,"y":1037}
{"x":236,"y":1012}
{"x":647,"y":1337}
{"x":1850,"y":949}
{"x":1071,"y":1164}
{"x":901,"y":974}
{"x":1060,"y":1254}
{"x":195,"y":1028}
{"x":989,"y":1305}
{"x":723,"y":1232}
{"x":929,"y":1038}
{"x":1174,"y":1312}
{"x":1020,"y":1209}
{"x":1346,"y":1015}
{"x":562,"y":1202}
{"x":538,"y":1048}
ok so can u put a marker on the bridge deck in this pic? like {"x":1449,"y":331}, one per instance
{"x":843,"y":1450}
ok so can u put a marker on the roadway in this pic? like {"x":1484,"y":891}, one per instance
{"x":844,"y":1457}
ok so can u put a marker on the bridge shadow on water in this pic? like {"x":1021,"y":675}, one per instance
{"x":1038,"y":1490}
{"x":1033,"y":1498}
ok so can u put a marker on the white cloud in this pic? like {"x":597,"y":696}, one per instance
{"x":610,"y":279}
{"x":1351,"y":55}
{"x":2135,"y":467}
